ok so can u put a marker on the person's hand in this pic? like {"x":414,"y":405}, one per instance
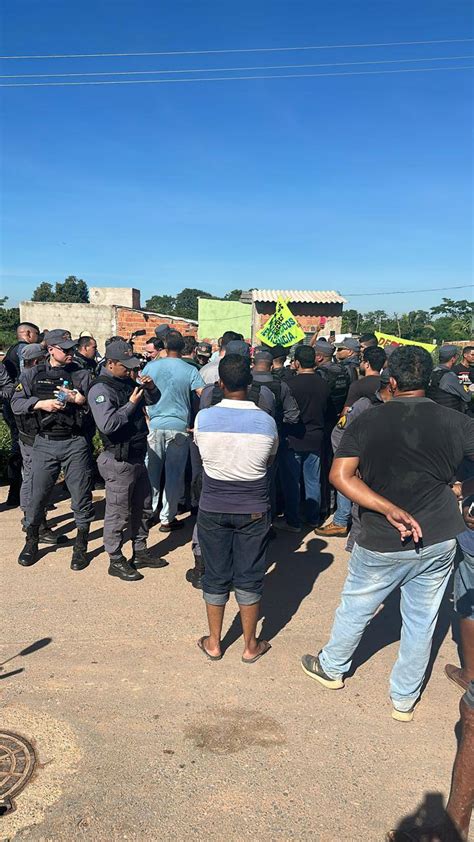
{"x":146,"y":381}
{"x":73,"y":396}
{"x":457,"y":489}
{"x":136,"y":395}
{"x":468,"y":519}
{"x":51,"y":405}
{"x":407,"y":526}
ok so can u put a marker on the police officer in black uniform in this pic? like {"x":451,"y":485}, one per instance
{"x":348,"y":355}
{"x":28,"y":427}
{"x":336,"y":375}
{"x":55,"y":393}
{"x":118,"y":403}
{"x":444,"y":386}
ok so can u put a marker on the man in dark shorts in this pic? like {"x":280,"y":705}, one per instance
{"x":237,"y":441}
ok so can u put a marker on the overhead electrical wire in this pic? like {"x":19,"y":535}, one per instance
{"x":243,"y":50}
{"x":404,"y":291}
{"x":232,"y":78}
{"x":231,"y":69}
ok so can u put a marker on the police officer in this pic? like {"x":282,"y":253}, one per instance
{"x":347,"y":355}
{"x":336,"y":374}
{"x":28,"y":427}
{"x":444,"y":386}
{"x":85,"y":355}
{"x":55,"y":393}
{"x":117,"y":403}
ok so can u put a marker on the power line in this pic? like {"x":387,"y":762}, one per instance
{"x":232,"y":78}
{"x":244,"y":50}
{"x":231,"y":69}
{"x":404,"y":291}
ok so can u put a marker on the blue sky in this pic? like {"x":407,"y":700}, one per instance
{"x":362,"y":184}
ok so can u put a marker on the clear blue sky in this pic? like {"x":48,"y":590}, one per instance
{"x":361,"y":184}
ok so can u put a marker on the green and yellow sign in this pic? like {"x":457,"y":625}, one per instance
{"x":282,"y":328}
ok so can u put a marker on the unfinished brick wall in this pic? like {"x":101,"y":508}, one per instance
{"x":129,"y":320}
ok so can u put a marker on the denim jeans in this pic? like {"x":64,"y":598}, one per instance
{"x":167,"y":449}
{"x":294,"y":463}
{"x":422,"y":577}
{"x":234,"y":552}
{"x":464,"y":585}
{"x":342,"y":515}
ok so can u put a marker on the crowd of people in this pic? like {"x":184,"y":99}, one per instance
{"x":255,"y":442}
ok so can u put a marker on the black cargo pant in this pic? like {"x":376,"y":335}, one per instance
{"x":49,"y":455}
{"x":128,"y":502}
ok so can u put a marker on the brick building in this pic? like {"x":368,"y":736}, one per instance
{"x":112,"y":311}
{"x":315,"y":310}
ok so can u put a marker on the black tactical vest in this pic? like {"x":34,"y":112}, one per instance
{"x":338,"y":379}
{"x":129,"y":441}
{"x":275,"y":387}
{"x":71,"y":420}
{"x":440,"y":396}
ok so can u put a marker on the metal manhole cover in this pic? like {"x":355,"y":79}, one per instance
{"x":17,"y":762}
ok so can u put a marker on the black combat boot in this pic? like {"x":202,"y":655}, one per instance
{"x":79,"y":553}
{"x":123,"y":569}
{"x":14,"y":476}
{"x":195,"y":574}
{"x":147,"y":558}
{"x":29,"y":553}
{"x":47,"y":536}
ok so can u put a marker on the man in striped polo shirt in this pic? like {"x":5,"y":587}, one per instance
{"x":237,"y":442}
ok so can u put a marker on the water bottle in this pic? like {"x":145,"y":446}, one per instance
{"x":62,"y":394}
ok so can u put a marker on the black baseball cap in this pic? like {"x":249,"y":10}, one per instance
{"x":204,"y":349}
{"x":278,"y":351}
{"x":60,"y":339}
{"x":121,"y":352}
{"x":238,"y":346}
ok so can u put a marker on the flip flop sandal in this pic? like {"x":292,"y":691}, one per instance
{"x":203,"y":649}
{"x":267,"y":647}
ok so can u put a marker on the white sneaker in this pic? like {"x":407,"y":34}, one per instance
{"x":285,"y":527}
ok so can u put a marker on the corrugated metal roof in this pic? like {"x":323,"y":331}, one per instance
{"x":305,"y":296}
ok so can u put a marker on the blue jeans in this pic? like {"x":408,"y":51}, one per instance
{"x":293,"y":464}
{"x":422,"y":577}
{"x":342,"y":515}
{"x":464,"y":585}
{"x":167,"y":449}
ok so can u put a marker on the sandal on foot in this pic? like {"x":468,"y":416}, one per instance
{"x":266,"y":648}
{"x":203,"y":649}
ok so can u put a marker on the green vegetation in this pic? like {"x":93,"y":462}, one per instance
{"x":72,"y":290}
{"x":450,"y":320}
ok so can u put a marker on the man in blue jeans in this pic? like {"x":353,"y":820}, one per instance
{"x":402,"y":453}
{"x":300,"y":455}
{"x":237,"y":441}
{"x":168,"y":439}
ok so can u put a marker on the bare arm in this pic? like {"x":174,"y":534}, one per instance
{"x":344,"y":477}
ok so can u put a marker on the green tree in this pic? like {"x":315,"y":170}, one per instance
{"x":164,"y":304}
{"x":72,"y":290}
{"x":460,"y":314}
{"x":187,"y":302}
{"x":9,"y":321}
{"x":350,"y":321}
{"x":43,"y":292}
{"x":233,"y":295}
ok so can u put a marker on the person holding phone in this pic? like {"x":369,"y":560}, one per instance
{"x":117,"y":402}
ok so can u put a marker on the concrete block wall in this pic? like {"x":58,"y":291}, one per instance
{"x":115,"y":296}
{"x":98,"y":320}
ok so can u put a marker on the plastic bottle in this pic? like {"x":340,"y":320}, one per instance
{"x":62,"y":394}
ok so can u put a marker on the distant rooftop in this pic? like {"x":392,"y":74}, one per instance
{"x":304,"y":296}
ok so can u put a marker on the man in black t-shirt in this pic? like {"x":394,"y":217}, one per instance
{"x":373,"y":361}
{"x":465,"y":369}
{"x":397,"y":462}
{"x":301,"y":456}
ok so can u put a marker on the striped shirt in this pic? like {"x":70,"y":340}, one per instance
{"x":235,"y":440}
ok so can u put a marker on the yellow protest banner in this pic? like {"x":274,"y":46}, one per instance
{"x":281,"y":328}
{"x":385,"y":339}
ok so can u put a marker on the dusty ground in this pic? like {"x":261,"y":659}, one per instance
{"x":140,"y":738}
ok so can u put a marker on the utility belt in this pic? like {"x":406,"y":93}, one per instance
{"x":126,"y":451}
{"x":61,"y":436}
